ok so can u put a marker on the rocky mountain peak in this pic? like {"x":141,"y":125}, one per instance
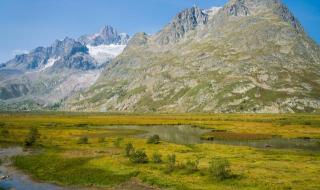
{"x":68,"y":46}
{"x":138,"y":39}
{"x":249,"y":7}
{"x":238,"y":8}
{"x":185,"y":21}
{"x":107,"y":35}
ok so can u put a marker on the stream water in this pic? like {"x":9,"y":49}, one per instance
{"x":191,"y":135}
{"x":15,"y":179}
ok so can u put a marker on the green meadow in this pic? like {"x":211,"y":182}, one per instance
{"x":82,"y":150}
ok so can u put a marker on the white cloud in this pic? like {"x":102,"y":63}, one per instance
{"x":19,"y":52}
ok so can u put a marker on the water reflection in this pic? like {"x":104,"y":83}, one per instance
{"x":181,"y":134}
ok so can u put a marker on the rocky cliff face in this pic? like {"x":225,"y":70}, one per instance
{"x":181,"y":24}
{"x":249,"y":56}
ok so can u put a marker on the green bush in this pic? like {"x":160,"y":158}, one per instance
{"x":171,"y":163}
{"x":32,"y":137}
{"x":220,"y":169}
{"x":129,"y":149}
{"x":192,"y":166}
{"x":155,"y":139}
{"x":156,"y":158}
{"x":139,"y":157}
{"x":83,"y":140}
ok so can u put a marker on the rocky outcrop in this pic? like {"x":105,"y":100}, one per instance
{"x":185,"y":21}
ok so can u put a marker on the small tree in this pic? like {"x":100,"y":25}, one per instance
{"x":155,"y":139}
{"x":157,"y":158}
{"x":139,"y":157}
{"x":83,"y":140}
{"x":220,"y":169}
{"x":171,"y":163}
{"x":129,"y":149}
{"x":32,"y":137}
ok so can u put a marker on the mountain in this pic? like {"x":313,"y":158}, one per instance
{"x":247,"y":56}
{"x":108,"y":35}
{"x":106,"y":44}
{"x":47,"y":75}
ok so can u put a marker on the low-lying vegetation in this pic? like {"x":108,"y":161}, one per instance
{"x":32,"y":137}
{"x":220,"y":169}
{"x":139,"y":157}
{"x":155,"y":139}
{"x":94,"y":155}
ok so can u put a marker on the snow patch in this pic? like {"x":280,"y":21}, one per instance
{"x":104,"y":53}
{"x":49,"y":64}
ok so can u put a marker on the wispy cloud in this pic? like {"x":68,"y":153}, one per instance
{"x":19,"y":52}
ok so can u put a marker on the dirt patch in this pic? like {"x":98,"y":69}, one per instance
{"x":134,"y":184}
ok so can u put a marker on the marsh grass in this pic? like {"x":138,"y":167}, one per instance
{"x":219,"y":169}
{"x":68,"y":171}
{"x":63,"y":161}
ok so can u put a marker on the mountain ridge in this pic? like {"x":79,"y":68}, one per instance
{"x":43,"y":78}
{"x":251,"y":56}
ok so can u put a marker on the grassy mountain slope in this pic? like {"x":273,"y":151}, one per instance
{"x":251,"y":56}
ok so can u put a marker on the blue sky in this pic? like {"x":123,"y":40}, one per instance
{"x":26,"y":24}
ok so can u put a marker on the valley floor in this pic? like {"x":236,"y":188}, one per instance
{"x":61,"y":155}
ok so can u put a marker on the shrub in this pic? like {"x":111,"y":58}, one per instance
{"x":192,"y":166}
{"x":117,"y":142}
{"x":32,"y":137}
{"x":83,"y":140}
{"x":156,"y":158}
{"x":220,"y":169}
{"x":101,"y":140}
{"x":139,"y":157}
{"x":155,"y":139}
{"x":129,"y":149}
{"x":171,"y":163}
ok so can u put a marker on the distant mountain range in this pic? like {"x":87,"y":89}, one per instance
{"x":248,"y":56}
{"x":46,"y":76}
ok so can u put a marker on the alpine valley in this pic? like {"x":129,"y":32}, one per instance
{"x":249,"y":56}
